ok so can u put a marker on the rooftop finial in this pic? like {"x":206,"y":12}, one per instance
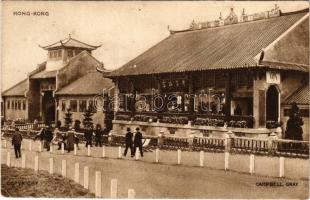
{"x":243,"y":11}
{"x":220,"y":16}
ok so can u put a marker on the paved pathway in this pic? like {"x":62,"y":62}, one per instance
{"x":165,"y":180}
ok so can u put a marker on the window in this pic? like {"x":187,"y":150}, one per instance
{"x":82,"y":105}
{"x":24,"y":104}
{"x":73,"y":105}
{"x":19,"y":105}
{"x":92,"y":105}
{"x":63,"y":105}
{"x":70,"y":53}
{"x":50,"y":54}
{"x":55,"y":54}
{"x":59,"y":53}
{"x":8,"y":103}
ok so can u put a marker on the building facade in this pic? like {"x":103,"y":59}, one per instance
{"x":68,"y":61}
{"x":229,"y":74}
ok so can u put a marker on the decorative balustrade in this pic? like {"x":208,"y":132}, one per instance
{"x":290,"y":148}
{"x":208,"y":144}
{"x":251,"y":145}
{"x":175,"y":143}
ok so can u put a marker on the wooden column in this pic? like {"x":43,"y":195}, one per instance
{"x":228,"y":94}
{"x":190,"y":94}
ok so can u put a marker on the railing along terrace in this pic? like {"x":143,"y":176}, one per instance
{"x":251,"y":145}
{"x":208,"y":144}
{"x":30,"y":126}
{"x":174,"y":143}
{"x":291,"y":147}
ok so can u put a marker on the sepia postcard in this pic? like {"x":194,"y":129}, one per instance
{"x":155,"y":99}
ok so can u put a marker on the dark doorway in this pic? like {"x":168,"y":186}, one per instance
{"x":48,"y":107}
{"x":272,"y":104}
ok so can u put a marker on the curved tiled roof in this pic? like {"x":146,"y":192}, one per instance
{"x":301,"y":96}
{"x":92,"y":83}
{"x":225,"y":47}
{"x":17,"y":90}
{"x":71,"y":42}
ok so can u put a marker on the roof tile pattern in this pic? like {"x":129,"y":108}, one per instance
{"x":300,"y":96}
{"x":90,"y":84}
{"x":17,"y":90}
{"x":226,"y":47}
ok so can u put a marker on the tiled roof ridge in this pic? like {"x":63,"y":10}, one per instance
{"x":15,"y":85}
{"x":238,"y":23}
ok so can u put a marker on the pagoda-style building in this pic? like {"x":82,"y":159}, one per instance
{"x":68,"y":61}
{"x":229,"y":74}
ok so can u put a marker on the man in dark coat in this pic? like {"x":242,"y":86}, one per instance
{"x":70,"y":139}
{"x":138,"y":141}
{"x":128,"y":140}
{"x":16,"y":142}
{"x":98,"y":136}
{"x":88,"y":135}
{"x":48,"y":137}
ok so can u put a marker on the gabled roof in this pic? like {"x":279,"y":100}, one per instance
{"x":18,"y":89}
{"x":225,"y":47}
{"x":70,"y":43}
{"x":90,"y":84}
{"x":301,"y":96}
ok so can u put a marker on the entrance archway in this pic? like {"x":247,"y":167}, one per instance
{"x":48,"y":108}
{"x":272,"y":104}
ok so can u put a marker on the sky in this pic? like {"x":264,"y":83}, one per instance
{"x":124,"y":29}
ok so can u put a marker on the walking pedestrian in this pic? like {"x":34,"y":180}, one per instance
{"x":138,"y":141}
{"x":128,"y":140}
{"x":16,"y":142}
{"x":70,"y":139}
{"x":88,"y":135}
{"x":98,"y":136}
{"x":48,"y":137}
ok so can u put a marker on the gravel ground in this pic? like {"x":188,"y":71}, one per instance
{"x":17,"y":182}
{"x":168,"y":180}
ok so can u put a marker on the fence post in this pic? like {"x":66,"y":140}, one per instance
{"x":271,"y":147}
{"x":179,"y":156}
{"x":5,"y":143}
{"x":36,"y":163}
{"x":86,"y":177}
{"x":88,"y":150}
{"x":51,"y":147}
{"x":119,"y":152}
{"x":201,"y":158}
{"x":64,"y":168}
{"x":77,"y":172}
{"x":226,"y":160}
{"x":157,"y":155}
{"x":103,"y":151}
{"x":75,"y":149}
{"x":30,"y":145}
{"x":62,"y":148}
{"x":113,"y":188}
{"x":24,"y":161}
{"x":252,"y":164}
{"x":8,"y":159}
{"x":161,"y":139}
{"x":137,"y":154}
{"x":98,"y":184}
{"x":227,"y":141}
{"x":282,"y":164}
{"x":51,"y":161}
{"x":40,"y":146}
{"x":131,"y":194}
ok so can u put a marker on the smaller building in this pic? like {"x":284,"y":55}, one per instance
{"x":302,"y":98}
{"x":15,"y":104}
{"x":84,"y":93}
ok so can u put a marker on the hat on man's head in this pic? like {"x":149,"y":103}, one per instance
{"x":137,"y":129}
{"x":128,"y":129}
